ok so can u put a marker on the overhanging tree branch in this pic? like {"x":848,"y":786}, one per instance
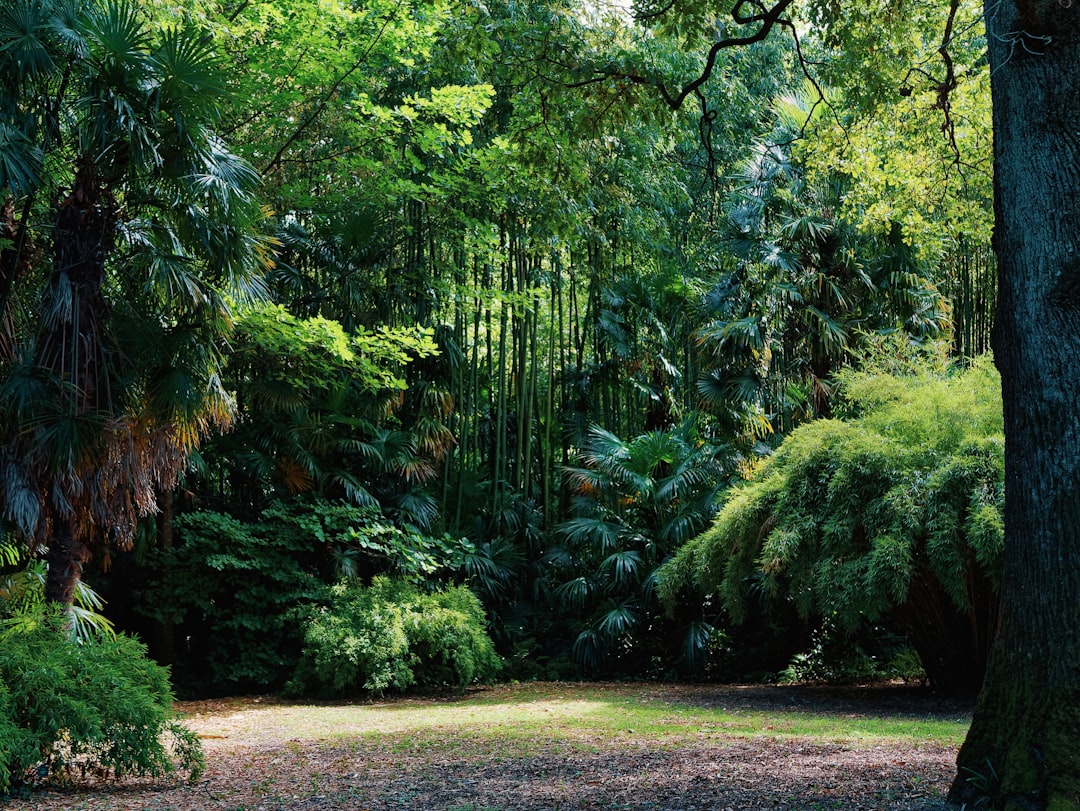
{"x":321,"y":104}
{"x":764,"y":18}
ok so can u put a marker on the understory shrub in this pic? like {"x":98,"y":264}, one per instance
{"x":234,"y":592}
{"x":390,"y":635}
{"x":94,"y":706}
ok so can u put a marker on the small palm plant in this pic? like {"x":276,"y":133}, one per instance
{"x":635,"y":501}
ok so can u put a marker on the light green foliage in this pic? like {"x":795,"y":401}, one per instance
{"x":99,"y":705}
{"x":866,"y":517}
{"x":352,"y":99}
{"x":313,"y":401}
{"x":312,"y":353}
{"x":390,"y":635}
{"x":884,"y":123}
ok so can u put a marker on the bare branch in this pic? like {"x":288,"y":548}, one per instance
{"x":765,"y":18}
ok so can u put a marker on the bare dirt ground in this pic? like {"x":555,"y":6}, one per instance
{"x":254,"y":769}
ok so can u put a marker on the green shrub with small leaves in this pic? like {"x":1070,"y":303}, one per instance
{"x":448,"y":643}
{"x":390,"y":635}
{"x":892,"y":515}
{"x":96,"y":705}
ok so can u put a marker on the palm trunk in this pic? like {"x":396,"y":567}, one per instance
{"x":72,"y":350}
{"x":66,"y":556}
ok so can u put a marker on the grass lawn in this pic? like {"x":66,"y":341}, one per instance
{"x":649,"y":747}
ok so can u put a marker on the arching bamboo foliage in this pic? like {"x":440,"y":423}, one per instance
{"x":892,"y":515}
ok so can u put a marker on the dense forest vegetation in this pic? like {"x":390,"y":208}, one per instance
{"x":434,"y":291}
{"x":333,"y":334}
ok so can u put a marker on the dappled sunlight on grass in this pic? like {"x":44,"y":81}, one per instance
{"x":516,"y":716}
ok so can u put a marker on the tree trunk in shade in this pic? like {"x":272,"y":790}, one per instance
{"x":1023,"y":750}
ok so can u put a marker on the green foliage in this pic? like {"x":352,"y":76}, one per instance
{"x":894,"y":513}
{"x":636,"y":502}
{"x":306,"y":354}
{"x":808,"y":288}
{"x":313,"y":403}
{"x":389,"y":635}
{"x":874,"y":654}
{"x":893,"y":98}
{"x":22,"y":597}
{"x":97,"y":706}
{"x":132,"y":226}
{"x":237,"y":590}
{"x":232,"y":589}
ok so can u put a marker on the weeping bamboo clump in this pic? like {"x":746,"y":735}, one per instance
{"x":893,"y":517}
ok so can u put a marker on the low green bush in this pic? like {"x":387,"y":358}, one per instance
{"x":390,"y":635}
{"x":230,"y":589}
{"x":93,"y":706}
{"x":235,"y":591}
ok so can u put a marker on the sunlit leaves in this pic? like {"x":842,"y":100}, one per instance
{"x":854,"y":519}
{"x":885,"y":122}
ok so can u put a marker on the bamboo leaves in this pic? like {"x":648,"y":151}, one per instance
{"x":894,"y":514}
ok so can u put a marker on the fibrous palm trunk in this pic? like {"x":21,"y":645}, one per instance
{"x":70,"y":352}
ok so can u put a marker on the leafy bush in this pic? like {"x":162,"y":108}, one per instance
{"x":97,"y":706}
{"x":448,"y":643}
{"x":232,"y":589}
{"x":893,"y":515}
{"x":22,"y":597}
{"x":392,"y":636}
{"x":236,"y":590}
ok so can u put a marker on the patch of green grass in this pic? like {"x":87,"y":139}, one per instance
{"x":519,"y":720}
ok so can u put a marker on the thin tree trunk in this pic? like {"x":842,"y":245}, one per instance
{"x":499,"y":468}
{"x":1024,"y":741}
{"x":162,"y":643}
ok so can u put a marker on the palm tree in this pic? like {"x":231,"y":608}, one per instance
{"x":636,"y":501}
{"x":807,"y":287}
{"x":132,"y":229}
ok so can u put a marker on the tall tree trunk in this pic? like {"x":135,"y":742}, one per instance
{"x":1024,"y":740}
{"x":71,"y":349}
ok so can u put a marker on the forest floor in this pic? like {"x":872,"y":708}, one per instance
{"x":548,"y":747}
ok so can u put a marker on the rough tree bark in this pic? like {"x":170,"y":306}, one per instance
{"x":1023,"y":750}
{"x":70,"y":350}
